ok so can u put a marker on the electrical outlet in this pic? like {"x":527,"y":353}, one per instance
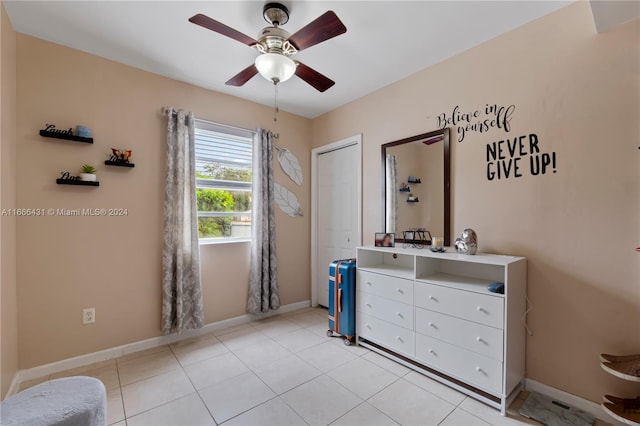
{"x":88,"y":316}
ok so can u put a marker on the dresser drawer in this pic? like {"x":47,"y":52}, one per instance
{"x":386,"y":334}
{"x":476,"y":307}
{"x":477,"y":370}
{"x":385,"y":309}
{"x":394,"y":288}
{"x":476,"y":337}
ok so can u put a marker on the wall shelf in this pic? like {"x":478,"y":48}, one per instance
{"x":118,"y":163}
{"x":626,"y":367}
{"x":76,"y":182}
{"x":413,"y":201}
{"x":46,"y":134}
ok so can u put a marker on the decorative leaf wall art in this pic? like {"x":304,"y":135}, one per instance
{"x":287,"y":201}
{"x":290,"y":165}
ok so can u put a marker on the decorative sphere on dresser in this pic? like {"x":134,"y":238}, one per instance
{"x":468,"y":242}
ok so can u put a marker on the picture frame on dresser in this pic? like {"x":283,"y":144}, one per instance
{"x":433,"y":312}
{"x":383,"y":239}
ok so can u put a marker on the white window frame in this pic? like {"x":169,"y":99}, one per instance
{"x":233,"y":133}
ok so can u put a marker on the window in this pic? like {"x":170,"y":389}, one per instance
{"x":223,"y":182}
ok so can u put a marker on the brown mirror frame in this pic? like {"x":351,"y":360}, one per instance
{"x":447,"y":181}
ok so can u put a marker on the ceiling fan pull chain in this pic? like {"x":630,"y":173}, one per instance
{"x":275,"y":106}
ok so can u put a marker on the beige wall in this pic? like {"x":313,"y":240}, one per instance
{"x":113,"y":263}
{"x":8,"y":296}
{"x":578,"y":227}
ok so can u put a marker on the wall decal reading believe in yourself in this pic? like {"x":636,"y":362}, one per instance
{"x":503,"y":157}
{"x":477,"y":121}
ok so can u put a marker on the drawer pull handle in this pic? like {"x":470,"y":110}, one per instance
{"x":399,"y":291}
{"x":432,"y":325}
{"x":481,"y":309}
{"x":399,"y":339}
{"x":368,"y":305}
{"x":433,"y":298}
{"x":480,"y":370}
{"x":481,"y":340}
{"x":431,"y":351}
{"x":368,"y":326}
{"x":399,"y":314}
{"x":368,"y":283}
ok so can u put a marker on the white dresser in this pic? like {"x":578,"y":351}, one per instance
{"x":433,"y":313}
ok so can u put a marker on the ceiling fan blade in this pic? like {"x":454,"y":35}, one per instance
{"x":243,"y":76}
{"x":323,"y":28}
{"x":313,"y":77}
{"x":220,"y":28}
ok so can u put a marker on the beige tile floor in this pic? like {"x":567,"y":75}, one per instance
{"x":279,"y":371}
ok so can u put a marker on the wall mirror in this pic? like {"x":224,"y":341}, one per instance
{"x":415,"y":185}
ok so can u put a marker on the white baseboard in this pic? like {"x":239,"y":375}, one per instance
{"x":573,"y":400}
{"x":106,"y":354}
{"x":15,"y":383}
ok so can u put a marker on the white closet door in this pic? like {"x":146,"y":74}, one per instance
{"x":337,"y":212}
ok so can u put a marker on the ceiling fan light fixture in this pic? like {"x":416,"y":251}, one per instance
{"x":275,"y":67}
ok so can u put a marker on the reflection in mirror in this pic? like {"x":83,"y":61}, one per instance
{"x":416,"y":185}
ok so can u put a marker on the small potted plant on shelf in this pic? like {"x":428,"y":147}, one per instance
{"x":88,"y":173}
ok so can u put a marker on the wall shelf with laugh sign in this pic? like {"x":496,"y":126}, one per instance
{"x":50,"y":131}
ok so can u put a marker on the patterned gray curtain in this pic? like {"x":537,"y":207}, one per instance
{"x":392,"y":194}
{"x":263,"y":275}
{"x":181,"y":290}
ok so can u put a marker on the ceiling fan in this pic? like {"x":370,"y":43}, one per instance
{"x":276,"y":46}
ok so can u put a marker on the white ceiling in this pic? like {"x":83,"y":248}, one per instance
{"x":385,"y":40}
